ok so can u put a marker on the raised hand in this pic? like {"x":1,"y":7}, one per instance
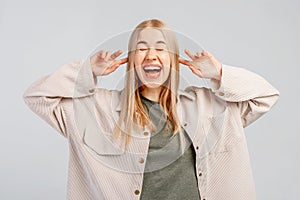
{"x":203,"y":64}
{"x":104,"y":62}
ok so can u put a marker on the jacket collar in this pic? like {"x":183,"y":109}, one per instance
{"x":180,"y":93}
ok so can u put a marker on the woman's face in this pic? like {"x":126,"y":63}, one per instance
{"x":152,"y":60}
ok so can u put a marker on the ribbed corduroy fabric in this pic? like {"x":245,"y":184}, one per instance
{"x":100,"y":167}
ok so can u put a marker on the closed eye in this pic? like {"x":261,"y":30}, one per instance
{"x":142,"y":49}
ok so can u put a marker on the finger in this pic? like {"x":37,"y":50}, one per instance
{"x":206,"y":53}
{"x":115,"y":66}
{"x":196,"y":71}
{"x":102,"y":54}
{"x":119,"y":62}
{"x":123,"y":61}
{"x":184,"y":62}
{"x":107,"y":57}
{"x":193,"y":69}
{"x":189,"y":54}
{"x":116,"y":54}
{"x":199,"y":54}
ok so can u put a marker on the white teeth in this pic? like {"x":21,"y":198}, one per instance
{"x":152,"y":68}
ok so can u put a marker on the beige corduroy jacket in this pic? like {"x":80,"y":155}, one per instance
{"x":100,"y":168}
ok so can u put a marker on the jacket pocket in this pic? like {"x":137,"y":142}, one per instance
{"x":222,"y":132}
{"x":101,"y":143}
{"x":95,"y":128}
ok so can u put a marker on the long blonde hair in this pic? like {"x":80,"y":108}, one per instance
{"x":132,"y":109}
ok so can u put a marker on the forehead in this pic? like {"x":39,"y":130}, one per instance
{"x":150,"y":35}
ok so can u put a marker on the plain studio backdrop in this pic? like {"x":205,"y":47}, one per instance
{"x":37,"y":37}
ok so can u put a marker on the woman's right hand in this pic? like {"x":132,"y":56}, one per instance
{"x":104,"y":63}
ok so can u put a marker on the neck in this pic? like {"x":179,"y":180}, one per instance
{"x":151,"y":93}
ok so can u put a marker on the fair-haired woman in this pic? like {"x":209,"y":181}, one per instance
{"x":152,"y":140}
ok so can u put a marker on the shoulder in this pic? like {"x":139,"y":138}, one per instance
{"x":107,"y":93}
{"x":109,"y":99}
{"x":195,"y":92}
{"x":203,"y":98}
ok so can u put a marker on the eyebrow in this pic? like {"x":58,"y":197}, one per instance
{"x":144,"y":42}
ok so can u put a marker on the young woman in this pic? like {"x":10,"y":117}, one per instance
{"x":152,"y":140}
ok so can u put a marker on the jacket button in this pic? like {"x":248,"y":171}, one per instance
{"x":200,"y":174}
{"x":146,"y":133}
{"x":91,"y":90}
{"x":185,"y":124}
{"x":221,"y":93}
{"x":197,"y":147}
{"x":137,"y":192}
{"x":141,"y":160}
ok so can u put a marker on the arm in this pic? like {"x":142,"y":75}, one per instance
{"x":253,"y":95}
{"x":47,"y":95}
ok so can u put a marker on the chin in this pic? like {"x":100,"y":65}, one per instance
{"x":152,"y":85}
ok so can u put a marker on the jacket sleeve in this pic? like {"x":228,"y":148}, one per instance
{"x":47,"y":95}
{"x":253,"y":95}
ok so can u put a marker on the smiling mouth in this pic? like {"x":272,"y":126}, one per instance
{"x":152,"y":71}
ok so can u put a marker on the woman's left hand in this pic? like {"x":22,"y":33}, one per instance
{"x":203,"y":64}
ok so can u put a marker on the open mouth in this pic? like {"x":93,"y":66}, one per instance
{"x":152,"y":71}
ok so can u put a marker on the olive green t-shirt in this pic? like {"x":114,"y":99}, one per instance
{"x":169,"y":174}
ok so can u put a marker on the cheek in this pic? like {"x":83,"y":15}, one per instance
{"x":166,"y":58}
{"x":138,"y":59}
{"x":138,"y":64}
{"x":168,"y":71}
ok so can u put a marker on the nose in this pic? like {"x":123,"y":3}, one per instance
{"x":151,"y":55}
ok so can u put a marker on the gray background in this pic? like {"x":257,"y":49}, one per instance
{"x":37,"y":37}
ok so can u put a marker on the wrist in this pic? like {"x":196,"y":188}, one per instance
{"x":218,"y":75}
